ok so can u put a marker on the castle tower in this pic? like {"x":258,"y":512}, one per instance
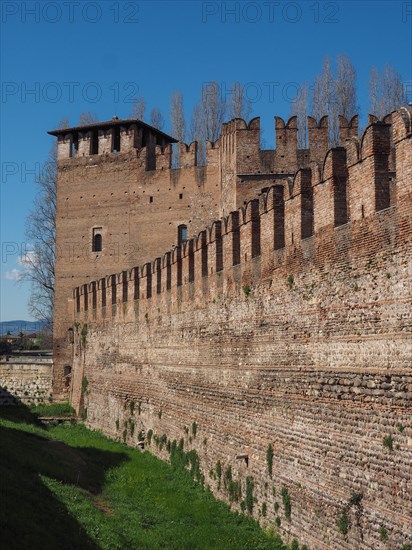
{"x":119,"y":204}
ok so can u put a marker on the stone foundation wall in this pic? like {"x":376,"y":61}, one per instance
{"x":27,"y":379}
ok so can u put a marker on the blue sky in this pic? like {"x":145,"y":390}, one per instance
{"x":59,"y":59}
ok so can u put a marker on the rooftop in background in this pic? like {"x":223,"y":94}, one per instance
{"x":111,"y":123}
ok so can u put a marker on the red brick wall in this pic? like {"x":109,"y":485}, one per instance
{"x":306,"y":347}
{"x":139,"y":212}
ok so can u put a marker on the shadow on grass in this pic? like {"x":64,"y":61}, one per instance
{"x":31,"y":517}
{"x":19,"y":414}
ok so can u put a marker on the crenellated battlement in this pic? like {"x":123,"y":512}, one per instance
{"x":291,"y":225}
{"x":238,"y":145}
{"x":126,"y":205}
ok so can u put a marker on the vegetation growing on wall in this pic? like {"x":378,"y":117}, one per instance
{"x":287,"y":505}
{"x":84,"y":335}
{"x":249,"y":501}
{"x":269,"y":459}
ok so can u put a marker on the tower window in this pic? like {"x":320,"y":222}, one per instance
{"x":180,"y":195}
{"x":74,"y":146}
{"x":181,"y":234}
{"x":116,"y":139}
{"x":97,"y":245}
{"x":94,"y":144}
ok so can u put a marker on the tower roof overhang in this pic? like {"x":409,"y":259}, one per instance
{"x":111,"y":123}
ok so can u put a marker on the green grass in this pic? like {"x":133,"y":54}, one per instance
{"x":53,"y":409}
{"x":68,"y":487}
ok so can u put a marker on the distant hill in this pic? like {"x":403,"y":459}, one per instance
{"x":15,"y":327}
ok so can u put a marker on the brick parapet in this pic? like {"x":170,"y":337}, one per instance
{"x":347,"y":188}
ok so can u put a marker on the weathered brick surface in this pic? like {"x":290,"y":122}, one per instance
{"x":137,"y":210}
{"x":322,"y":378}
{"x":303,"y":343}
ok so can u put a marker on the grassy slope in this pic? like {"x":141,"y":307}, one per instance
{"x":68,"y":487}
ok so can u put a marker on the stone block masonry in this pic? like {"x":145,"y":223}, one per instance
{"x":28,"y":380}
{"x":277,"y":345}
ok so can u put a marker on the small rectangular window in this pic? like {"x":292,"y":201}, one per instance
{"x":150,"y":199}
{"x":97,"y":240}
{"x":180,"y":195}
{"x":181,"y":234}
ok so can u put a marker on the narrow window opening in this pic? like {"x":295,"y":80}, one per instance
{"x":103,"y":292}
{"x":180,"y":195}
{"x":136,"y":283}
{"x":94,"y":296}
{"x":279,"y":218}
{"x":179,"y":266}
{"x":86,"y":298}
{"x":204,"y":254}
{"x":341,"y":202}
{"x":74,"y":146}
{"x":363,"y":211}
{"x":168,"y":273}
{"x":191,"y":262}
{"x":149,"y":281}
{"x":94,"y":144}
{"x":158,"y":277}
{"x":255,"y":229}
{"x":97,"y":245}
{"x":219,"y":248}
{"x":116,"y":140}
{"x":124,"y":285}
{"x":114,"y":288}
{"x":150,"y":199}
{"x":181,"y":234}
{"x":306,"y":211}
{"x":235,"y":239}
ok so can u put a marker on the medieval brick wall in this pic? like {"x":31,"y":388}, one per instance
{"x":286,"y":324}
{"x":137,"y":212}
{"x":115,"y":179}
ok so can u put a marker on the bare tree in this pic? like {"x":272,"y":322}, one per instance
{"x":64,"y":123}
{"x":386,"y":91}
{"x":207,"y":119}
{"x":322,"y":95}
{"x":345,"y":88}
{"x":177,"y":118}
{"x":39,"y":257}
{"x":196,"y":133}
{"x":240,"y":105}
{"x":139,"y":108}
{"x":87,"y":118}
{"x":374,"y":92}
{"x":156,"y":118}
{"x":213,"y":109}
{"x":299,"y":108}
{"x":334,"y":96}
